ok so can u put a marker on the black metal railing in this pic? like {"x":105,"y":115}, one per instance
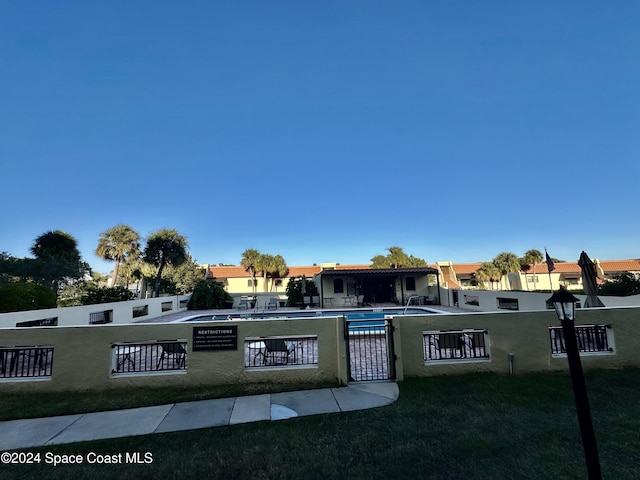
{"x":100,"y":318}
{"x":140,"y":311}
{"x":590,"y":338}
{"x":26,"y":361}
{"x":45,"y":322}
{"x":455,"y":345}
{"x":280,"y":351}
{"x":144,"y":357}
{"x":371,"y":355}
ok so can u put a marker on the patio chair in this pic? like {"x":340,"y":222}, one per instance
{"x":244,"y":304}
{"x":280,"y":348}
{"x":173,"y":349}
{"x":273,"y":304}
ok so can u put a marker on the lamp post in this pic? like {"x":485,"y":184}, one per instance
{"x":565,"y":305}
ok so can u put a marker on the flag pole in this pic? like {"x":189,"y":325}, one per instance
{"x":550,"y":267}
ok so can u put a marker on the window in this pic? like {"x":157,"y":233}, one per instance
{"x":508,"y":303}
{"x":46,"y":322}
{"x":410,"y":283}
{"x":166,"y":306}
{"x":338,"y":286}
{"x":99,"y":318}
{"x":471,"y":300}
{"x":455,"y":345}
{"x":252,"y":283}
{"x":532,"y":278}
{"x":278,"y":282}
{"x":140,"y":311}
{"x":590,"y":339}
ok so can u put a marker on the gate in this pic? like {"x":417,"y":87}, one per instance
{"x":370,"y":350}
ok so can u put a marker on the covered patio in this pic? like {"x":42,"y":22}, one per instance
{"x":359,"y":287}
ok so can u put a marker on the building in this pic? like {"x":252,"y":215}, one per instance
{"x":565,"y":274}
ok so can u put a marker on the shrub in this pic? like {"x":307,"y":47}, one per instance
{"x":19,"y":297}
{"x":208,"y":294}
{"x":622,"y":285}
{"x":294,"y":291}
{"x":90,"y":294}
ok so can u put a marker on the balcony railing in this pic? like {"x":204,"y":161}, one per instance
{"x":280,"y":351}
{"x":590,"y":338}
{"x":26,"y":361}
{"x":455,"y":345}
{"x":146,"y":357}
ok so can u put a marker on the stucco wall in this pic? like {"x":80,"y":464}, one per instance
{"x":122,"y":311}
{"x":82,"y":355}
{"x":525,"y":334}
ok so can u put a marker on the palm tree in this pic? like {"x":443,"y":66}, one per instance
{"x":165,"y":247}
{"x":117,"y":244}
{"x":266,"y":264}
{"x":532,"y":257}
{"x":57,"y":258}
{"x":279,"y":269}
{"x":249,"y":259}
{"x":507,"y":262}
{"x":488,"y":272}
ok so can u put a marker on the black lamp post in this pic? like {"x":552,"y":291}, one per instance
{"x":565,"y":305}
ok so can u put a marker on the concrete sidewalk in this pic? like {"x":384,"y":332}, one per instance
{"x":38,"y":432}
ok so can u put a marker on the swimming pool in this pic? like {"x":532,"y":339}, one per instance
{"x":363,"y":314}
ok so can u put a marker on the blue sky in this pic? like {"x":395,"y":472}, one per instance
{"x":324,"y":131}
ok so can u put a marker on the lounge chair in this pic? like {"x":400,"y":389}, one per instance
{"x":280,"y":348}
{"x":173,"y":349}
{"x":273,"y":304}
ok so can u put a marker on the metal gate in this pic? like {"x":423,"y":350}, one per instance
{"x":370,"y":350}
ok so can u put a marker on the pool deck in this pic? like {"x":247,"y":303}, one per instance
{"x":173,"y":317}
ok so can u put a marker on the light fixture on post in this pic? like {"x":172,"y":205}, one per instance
{"x":565,"y":305}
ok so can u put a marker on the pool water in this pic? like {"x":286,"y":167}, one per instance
{"x":360,"y":314}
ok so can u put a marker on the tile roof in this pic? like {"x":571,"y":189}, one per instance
{"x":608,"y":266}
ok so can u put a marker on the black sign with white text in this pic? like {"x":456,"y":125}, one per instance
{"x":215,"y":338}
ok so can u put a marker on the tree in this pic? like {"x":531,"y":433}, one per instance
{"x":621,"y":285}
{"x":488,"y":272}
{"x":271,"y":266}
{"x":164,"y":247}
{"x":209,"y":294}
{"x":57,"y":259}
{"x":506,"y":262}
{"x":184,"y":278}
{"x":294,"y":290}
{"x":279,"y":270}
{"x":396,"y":258}
{"x":117,"y":244}
{"x":531,"y":257}
{"x":250,"y":258}
{"x":18,"y":297}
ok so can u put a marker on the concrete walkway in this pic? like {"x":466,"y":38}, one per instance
{"x":174,"y":417}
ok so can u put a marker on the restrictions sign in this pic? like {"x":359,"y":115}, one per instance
{"x":215,"y":338}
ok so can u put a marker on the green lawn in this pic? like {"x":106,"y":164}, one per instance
{"x":480,"y":426}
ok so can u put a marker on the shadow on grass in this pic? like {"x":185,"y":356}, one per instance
{"x":480,"y":426}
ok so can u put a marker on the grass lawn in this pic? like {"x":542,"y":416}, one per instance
{"x":479,"y":426}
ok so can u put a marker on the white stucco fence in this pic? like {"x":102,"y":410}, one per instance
{"x":120,"y":312}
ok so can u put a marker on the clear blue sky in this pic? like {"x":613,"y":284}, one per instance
{"x":324,"y":131}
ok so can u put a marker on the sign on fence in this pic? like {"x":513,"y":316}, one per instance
{"x":215,"y":338}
